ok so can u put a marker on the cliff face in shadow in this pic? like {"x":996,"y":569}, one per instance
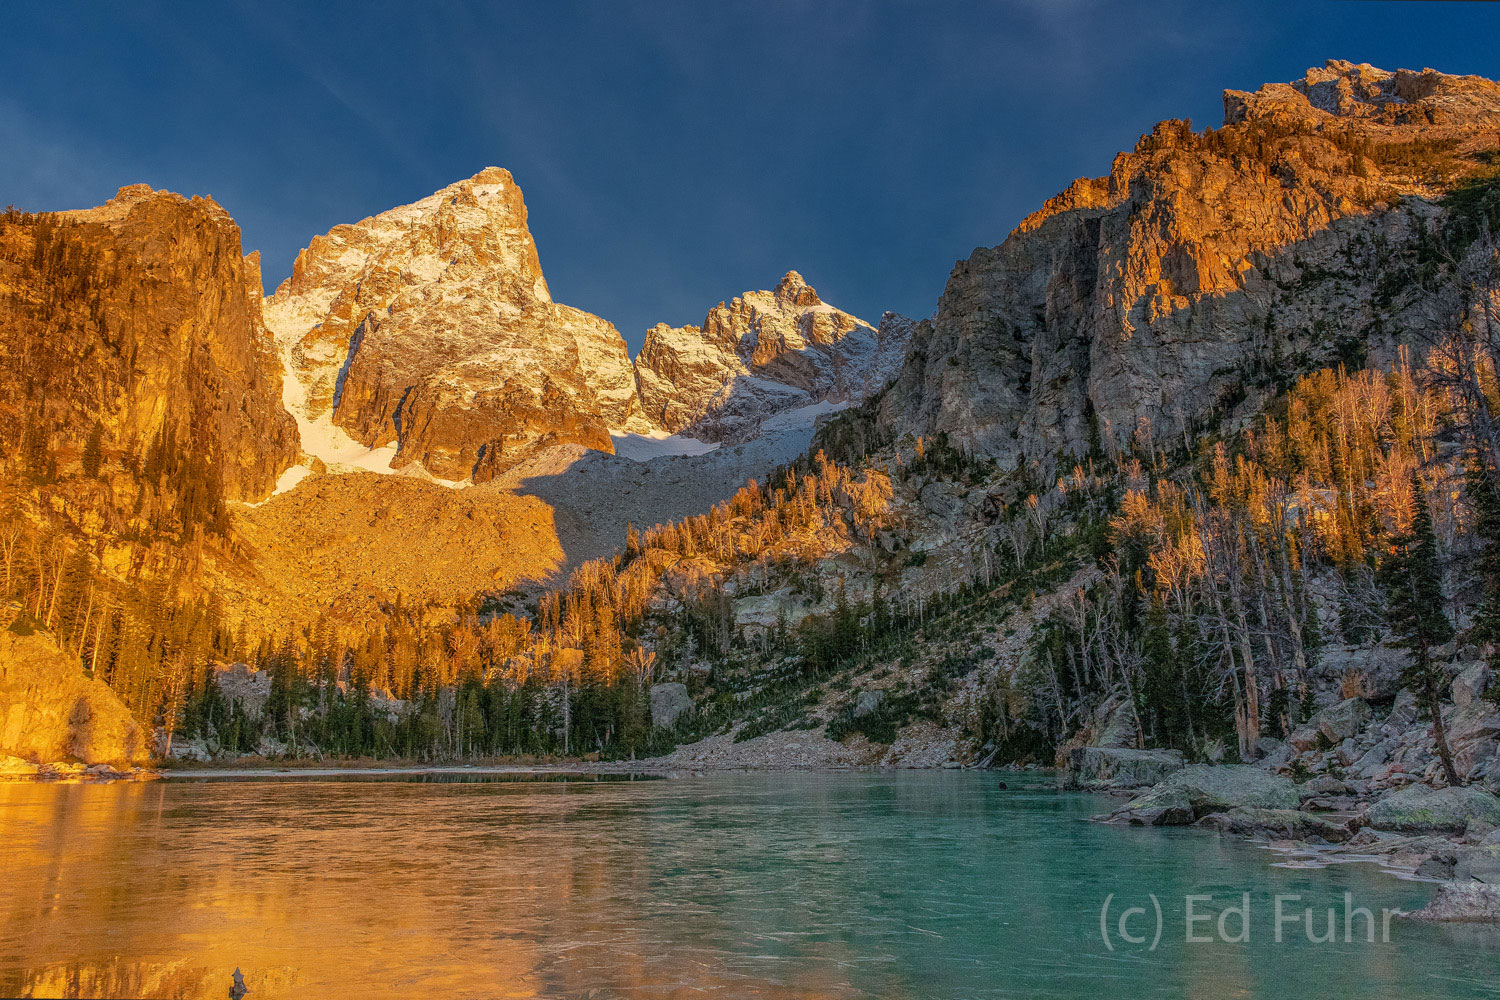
{"x":1155,"y":298}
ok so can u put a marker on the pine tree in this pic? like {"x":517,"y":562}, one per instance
{"x":1484,"y":494}
{"x":93,"y":451}
{"x":1412,"y":580}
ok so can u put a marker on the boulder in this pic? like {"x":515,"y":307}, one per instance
{"x":1230,"y":786}
{"x":1477,"y":863}
{"x":1378,"y":668}
{"x":1099,"y":768}
{"x":1470,"y":684}
{"x":1473,"y":735}
{"x":196,"y":750}
{"x":1342,"y":721}
{"x":1303,"y":738}
{"x":1114,"y":726}
{"x":1373,"y":761}
{"x":1473,"y":902}
{"x":867,"y":703}
{"x":1324,"y":785}
{"x":1403,"y":709}
{"x":1202,"y":789}
{"x":1272,"y":753}
{"x":1421,"y":809}
{"x":669,"y":702}
{"x":50,"y":710}
{"x":1438,"y":866}
{"x":1277,"y":824}
{"x":15,"y":767}
{"x":1164,"y":807}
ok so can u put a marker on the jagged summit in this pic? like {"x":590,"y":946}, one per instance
{"x":1145,"y":303}
{"x":1421,"y":99}
{"x":759,"y":356}
{"x":793,"y":290}
{"x":427,"y":334}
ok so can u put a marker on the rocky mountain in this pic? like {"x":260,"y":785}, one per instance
{"x":430,"y":328}
{"x":1179,"y":287}
{"x":142,"y":318}
{"x":763,"y":354}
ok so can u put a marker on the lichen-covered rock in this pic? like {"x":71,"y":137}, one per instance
{"x":1421,"y":809}
{"x":1205,"y":789}
{"x":51,"y":712}
{"x":1277,"y":824}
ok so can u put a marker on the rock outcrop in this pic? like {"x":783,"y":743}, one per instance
{"x":1420,"y":809}
{"x":1462,"y":902}
{"x":760,"y":355}
{"x":54,"y":712}
{"x":1194,"y":792}
{"x":141,"y":316}
{"x":1205,"y":266}
{"x":1119,"y":768}
{"x":430,"y":327}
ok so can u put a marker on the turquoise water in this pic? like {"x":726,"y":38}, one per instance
{"x":761,"y":885}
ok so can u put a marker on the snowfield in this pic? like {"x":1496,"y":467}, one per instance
{"x":659,"y":444}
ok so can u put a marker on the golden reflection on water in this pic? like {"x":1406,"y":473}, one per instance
{"x":768,"y":886}
{"x":364,"y":890}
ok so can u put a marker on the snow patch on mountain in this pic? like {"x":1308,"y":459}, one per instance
{"x":657,"y":444}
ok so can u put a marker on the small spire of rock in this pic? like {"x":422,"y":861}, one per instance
{"x":793,"y":289}
{"x":133,"y":192}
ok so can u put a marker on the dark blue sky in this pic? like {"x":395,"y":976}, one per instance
{"x":672,"y":155}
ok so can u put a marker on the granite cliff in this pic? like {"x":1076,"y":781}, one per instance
{"x":1175,"y":290}
{"x":142,"y":318}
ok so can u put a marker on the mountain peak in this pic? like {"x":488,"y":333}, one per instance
{"x":793,"y":289}
{"x":429,"y":331}
{"x":1360,"y":91}
{"x":759,"y":357}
